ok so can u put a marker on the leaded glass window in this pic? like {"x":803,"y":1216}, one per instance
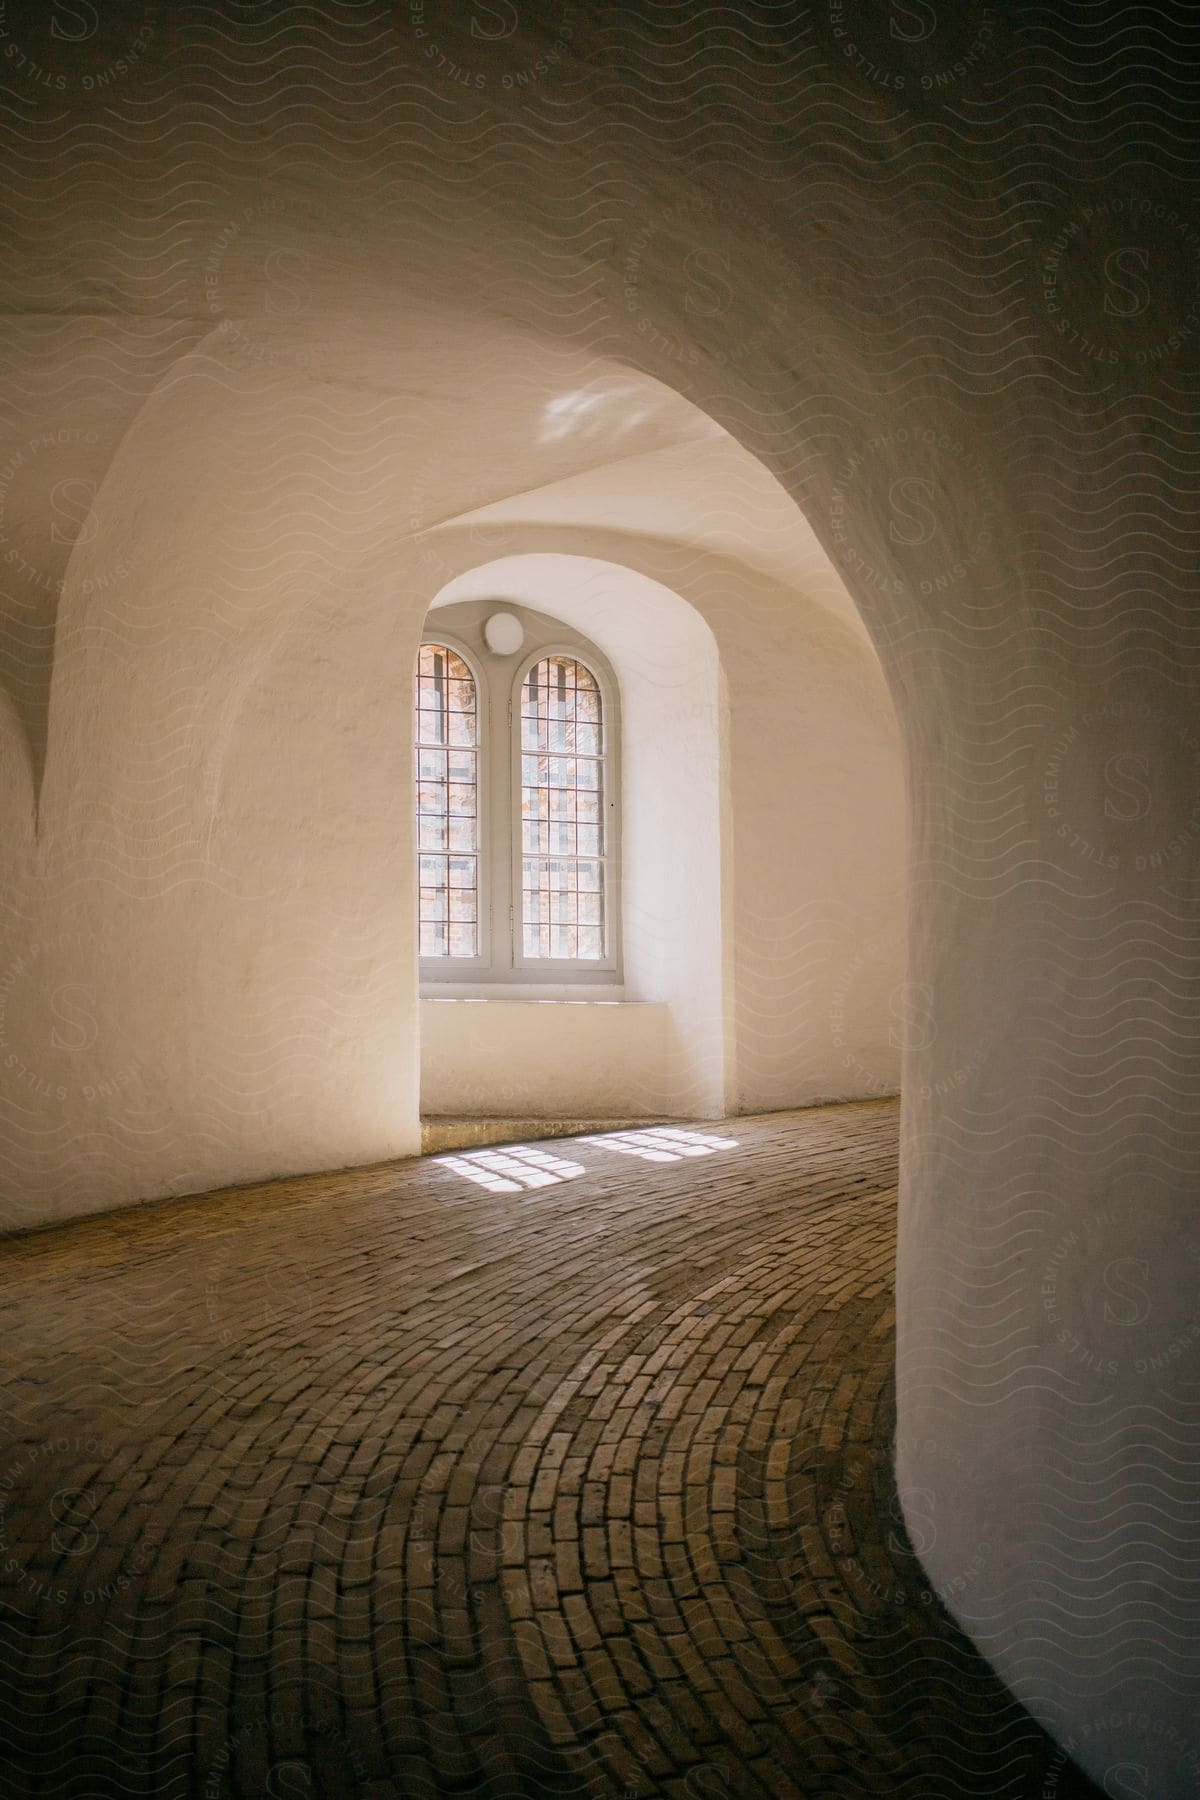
{"x":562,"y":812}
{"x":447,"y":754}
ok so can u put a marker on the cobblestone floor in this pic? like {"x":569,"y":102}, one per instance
{"x":392,"y":1483}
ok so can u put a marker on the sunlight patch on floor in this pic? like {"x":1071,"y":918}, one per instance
{"x":514,"y":1169}
{"x":661,"y":1143}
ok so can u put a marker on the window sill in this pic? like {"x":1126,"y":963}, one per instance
{"x":524,"y":994}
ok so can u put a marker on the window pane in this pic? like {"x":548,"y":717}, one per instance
{"x":447,"y":736}
{"x":587,"y":704}
{"x":562,"y":812}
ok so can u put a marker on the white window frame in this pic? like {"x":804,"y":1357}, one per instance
{"x":501,"y":964}
{"x":562,"y":968}
{"x":467,"y":968}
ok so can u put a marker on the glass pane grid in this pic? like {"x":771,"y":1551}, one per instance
{"x":562,"y":816}
{"x":447,"y":756}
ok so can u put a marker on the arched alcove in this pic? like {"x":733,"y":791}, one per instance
{"x":275,"y":725}
{"x":666,"y":1052}
{"x":798,"y":993}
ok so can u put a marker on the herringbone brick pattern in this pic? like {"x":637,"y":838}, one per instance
{"x":390,"y":1483}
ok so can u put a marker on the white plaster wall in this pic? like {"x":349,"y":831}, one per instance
{"x":551,"y":1059}
{"x":816,"y":810}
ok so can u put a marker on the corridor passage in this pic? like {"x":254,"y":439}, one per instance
{"x":554,"y":1471}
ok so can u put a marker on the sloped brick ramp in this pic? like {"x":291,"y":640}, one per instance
{"x":391,"y":1483}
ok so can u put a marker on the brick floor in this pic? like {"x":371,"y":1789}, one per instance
{"x":390,"y":1484}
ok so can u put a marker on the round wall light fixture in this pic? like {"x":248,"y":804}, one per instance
{"x":504,"y":633}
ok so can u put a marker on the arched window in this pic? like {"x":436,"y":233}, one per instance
{"x":562,"y":812}
{"x":516,"y":806}
{"x":447,"y":757}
